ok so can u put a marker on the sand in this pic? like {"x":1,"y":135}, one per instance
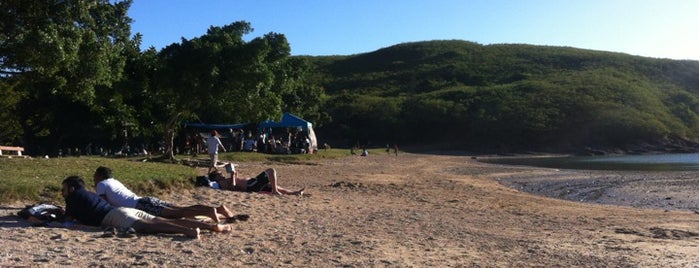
{"x":413,"y":210}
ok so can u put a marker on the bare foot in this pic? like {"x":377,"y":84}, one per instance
{"x":223,"y":228}
{"x":225,"y":211}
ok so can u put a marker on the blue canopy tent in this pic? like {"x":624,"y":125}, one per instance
{"x":223,"y":129}
{"x":291,"y":121}
{"x":215,"y":126}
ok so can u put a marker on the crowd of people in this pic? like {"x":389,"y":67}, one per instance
{"x":271,"y":141}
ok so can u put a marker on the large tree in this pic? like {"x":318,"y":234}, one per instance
{"x":55,"y":54}
{"x":219,"y":77}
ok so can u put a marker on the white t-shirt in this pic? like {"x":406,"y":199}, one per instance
{"x":213,"y":142}
{"x":116,"y":193}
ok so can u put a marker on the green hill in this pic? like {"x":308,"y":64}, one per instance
{"x":508,"y":97}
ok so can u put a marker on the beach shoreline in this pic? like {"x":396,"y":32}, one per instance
{"x":668,"y":190}
{"x":410,"y":210}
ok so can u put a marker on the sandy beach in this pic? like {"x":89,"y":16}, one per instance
{"x":413,"y":210}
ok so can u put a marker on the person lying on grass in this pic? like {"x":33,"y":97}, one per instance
{"x":264,"y":182}
{"x":89,"y":209}
{"x":114,"y":192}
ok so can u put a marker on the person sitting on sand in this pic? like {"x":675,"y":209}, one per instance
{"x":118,"y":195}
{"x":89,"y":209}
{"x":264,"y":182}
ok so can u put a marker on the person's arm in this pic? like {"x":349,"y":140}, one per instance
{"x":65,"y":221}
{"x":234,"y":176}
{"x":101,"y":190}
{"x":66,"y":218}
{"x":220,"y":144}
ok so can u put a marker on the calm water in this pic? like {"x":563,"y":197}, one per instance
{"x":660,"y":162}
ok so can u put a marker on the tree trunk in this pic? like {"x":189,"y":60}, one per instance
{"x":170,"y":129}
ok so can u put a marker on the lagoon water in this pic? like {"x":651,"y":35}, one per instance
{"x":656,"y":162}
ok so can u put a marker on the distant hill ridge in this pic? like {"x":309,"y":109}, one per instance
{"x":509,"y":97}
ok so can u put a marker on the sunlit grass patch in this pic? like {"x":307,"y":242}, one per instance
{"x":39,"y":179}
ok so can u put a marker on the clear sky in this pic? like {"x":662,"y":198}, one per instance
{"x":652,"y":28}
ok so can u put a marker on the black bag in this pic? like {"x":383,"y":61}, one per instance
{"x":202,"y":181}
{"x":40,"y":214}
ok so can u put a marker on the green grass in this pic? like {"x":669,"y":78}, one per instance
{"x":39,"y":180}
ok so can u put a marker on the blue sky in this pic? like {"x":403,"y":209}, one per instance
{"x":652,"y":28}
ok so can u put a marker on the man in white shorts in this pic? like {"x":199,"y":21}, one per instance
{"x":118,"y":195}
{"x":89,"y":209}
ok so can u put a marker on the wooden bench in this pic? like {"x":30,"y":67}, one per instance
{"x":18,"y":151}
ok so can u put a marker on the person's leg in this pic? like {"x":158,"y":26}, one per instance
{"x":276,"y":189}
{"x":143,"y":222}
{"x":203,"y":210}
{"x":212,"y":166}
{"x":154,"y":226}
{"x":223,"y":210}
{"x":160,"y":208}
{"x":176,"y":212}
{"x":195,"y":224}
{"x":272,"y":177}
{"x":290,"y":192}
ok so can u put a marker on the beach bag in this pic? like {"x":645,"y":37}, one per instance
{"x":41,"y":214}
{"x":202,"y":181}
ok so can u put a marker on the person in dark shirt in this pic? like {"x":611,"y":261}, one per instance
{"x":84,"y":207}
{"x":89,"y":209}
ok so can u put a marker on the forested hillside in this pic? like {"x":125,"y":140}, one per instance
{"x":508,"y":98}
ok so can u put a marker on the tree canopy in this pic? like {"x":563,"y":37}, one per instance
{"x":72,"y":76}
{"x":54,"y":57}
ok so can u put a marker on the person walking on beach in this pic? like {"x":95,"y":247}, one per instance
{"x":213,"y":143}
{"x":89,"y":209}
{"x":114,"y":192}
{"x":264,"y":182}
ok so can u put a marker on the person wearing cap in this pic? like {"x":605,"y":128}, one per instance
{"x":213,"y":143}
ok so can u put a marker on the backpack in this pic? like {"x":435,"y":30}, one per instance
{"x":40,"y":214}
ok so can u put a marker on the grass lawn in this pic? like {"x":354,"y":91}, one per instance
{"x":39,"y":179}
